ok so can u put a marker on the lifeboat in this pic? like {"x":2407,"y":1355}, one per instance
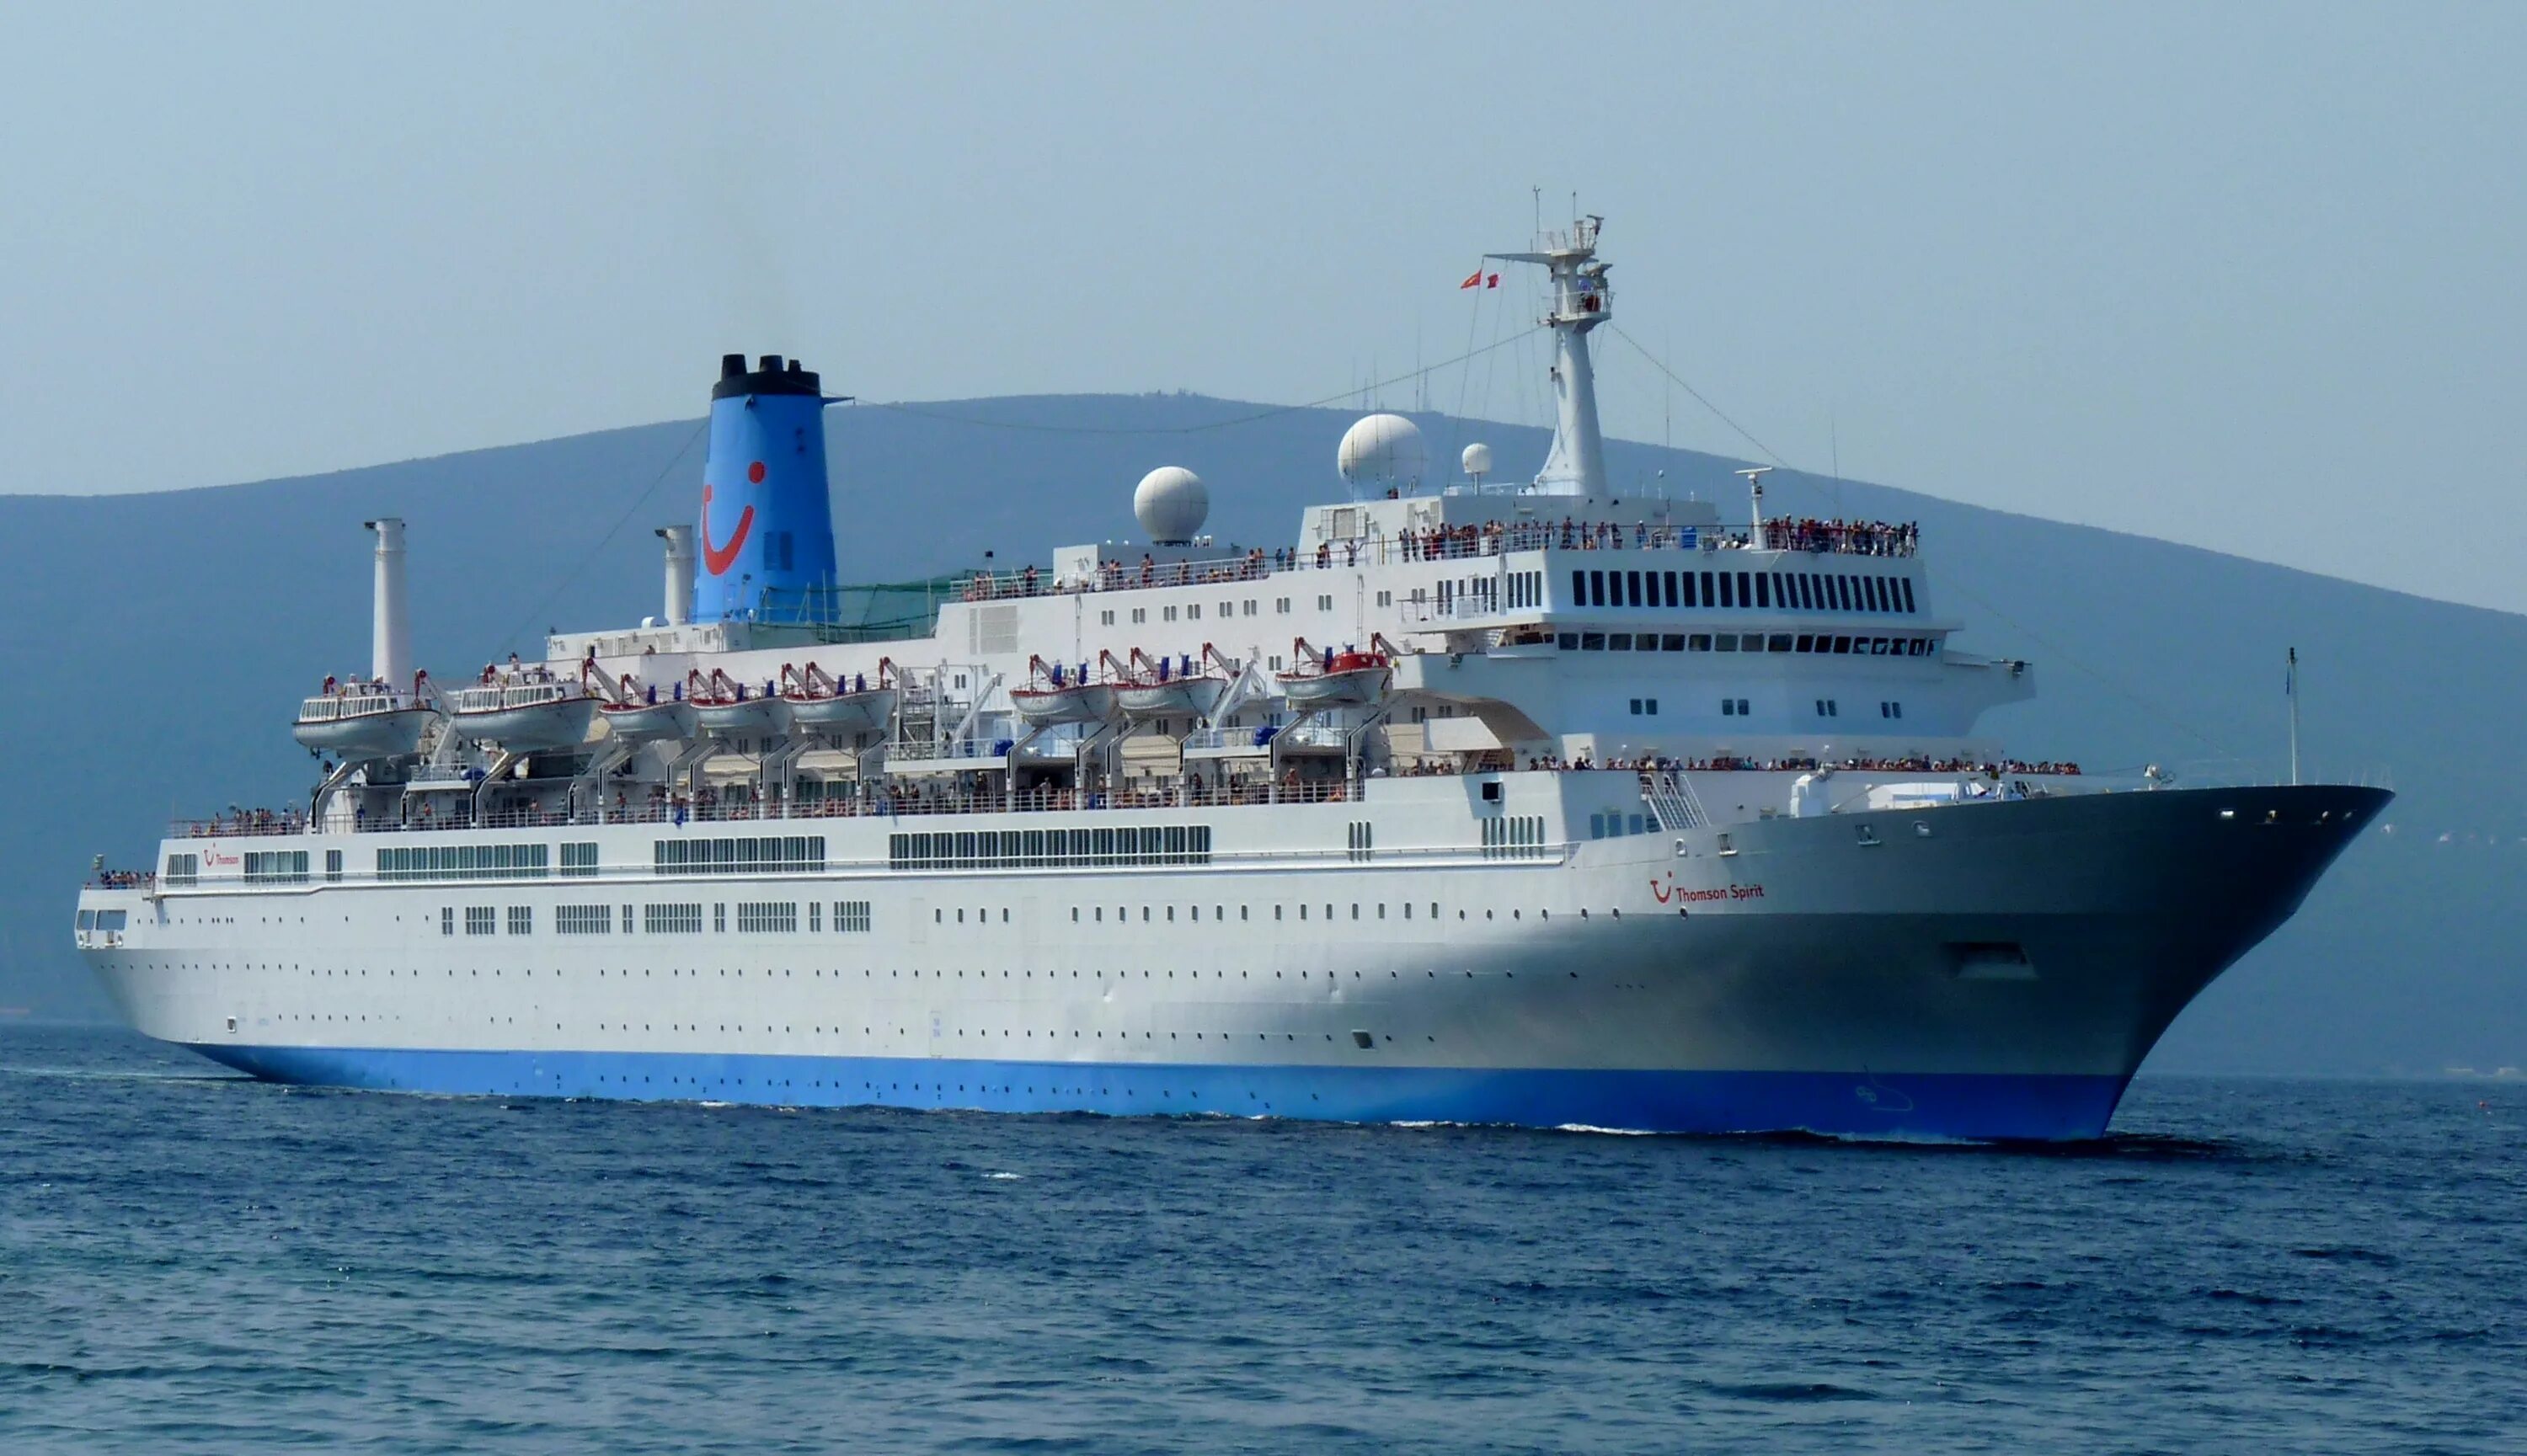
{"x":362,"y":722}
{"x":723,"y":705}
{"x":1053,"y":694}
{"x":649,"y":723}
{"x":1337,"y":680}
{"x":820,"y":703}
{"x":532,"y":716}
{"x":1160,"y":688}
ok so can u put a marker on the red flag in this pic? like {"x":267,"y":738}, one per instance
{"x":1476,"y":279}
{"x":1493,"y":282}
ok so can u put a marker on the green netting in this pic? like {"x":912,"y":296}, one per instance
{"x":866,"y":612}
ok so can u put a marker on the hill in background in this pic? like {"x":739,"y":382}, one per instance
{"x":157,"y":645}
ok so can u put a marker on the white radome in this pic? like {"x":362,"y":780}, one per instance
{"x":1478,"y":460}
{"x":1171,"y":503}
{"x":1382,"y":451}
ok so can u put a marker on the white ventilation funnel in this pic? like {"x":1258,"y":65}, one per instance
{"x":680,"y":573}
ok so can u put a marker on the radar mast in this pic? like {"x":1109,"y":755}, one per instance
{"x":1577,"y":463}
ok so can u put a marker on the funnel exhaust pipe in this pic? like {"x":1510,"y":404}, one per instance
{"x":680,"y":574}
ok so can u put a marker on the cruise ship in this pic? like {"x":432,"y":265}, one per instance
{"x":1519,"y":802}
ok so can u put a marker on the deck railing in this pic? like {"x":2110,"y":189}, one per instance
{"x":1492,"y":538}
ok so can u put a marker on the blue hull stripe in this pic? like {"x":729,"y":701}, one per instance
{"x":1931,"y":1105}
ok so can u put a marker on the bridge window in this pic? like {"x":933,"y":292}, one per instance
{"x":1727,"y":592}
{"x":1907,"y":583}
{"x":1764,"y":589}
{"x":1633,"y":589}
{"x":1667,"y":588}
{"x":1745,"y":589}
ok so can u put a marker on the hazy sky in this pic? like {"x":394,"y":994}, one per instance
{"x":2241,"y":276}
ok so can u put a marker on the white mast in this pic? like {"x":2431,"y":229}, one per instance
{"x":1577,"y":463}
{"x":389,"y":630}
{"x":2291,"y":685}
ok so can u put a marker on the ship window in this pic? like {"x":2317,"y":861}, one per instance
{"x":1633,"y":589}
{"x":1878,"y":594}
{"x":1724,"y":642}
{"x":1697,"y":642}
{"x":447,"y":920}
{"x":1877,"y":647}
{"x":1777,"y":642}
{"x":1596,"y":588}
{"x":1764,"y":590}
{"x":1668,"y":579}
{"x":1745,"y":589}
{"x":1708,"y":599}
{"x":759,"y":917}
{"x":1689,"y":587}
{"x":1727,"y":590}
{"x":1728,"y":709}
{"x":333,"y":866}
{"x":1139,"y":613}
{"x":184,"y":869}
{"x":522,"y":919}
{"x":1637,"y":707}
{"x":583,"y":920}
{"x":1907,"y":583}
{"x":1842,"y":645}
{"x":1592,"y":641}
{"x":1843,"y":595}
{"x":482,"y":919}
{"x":1744,"y":711}
{"x":1619,"y":643}
{"x":672,"y":920}
{"x":1807,"y":642}
{"x":1751,"y":642}
{"x":1671,"y":642}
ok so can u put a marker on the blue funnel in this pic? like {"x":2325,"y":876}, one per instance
{"x":767,"y":524}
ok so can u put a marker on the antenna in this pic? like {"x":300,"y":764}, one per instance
{"x":1755,"y":481}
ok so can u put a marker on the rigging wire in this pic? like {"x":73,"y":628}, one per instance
{"x":899,"y":407}
{"x":567,"y":578}
{"x":1681,"y":382}
{"x":1949,"y":579}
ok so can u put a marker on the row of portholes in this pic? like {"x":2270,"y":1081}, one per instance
{"x":1192,"y":1094}
{"x":1151,"y":915}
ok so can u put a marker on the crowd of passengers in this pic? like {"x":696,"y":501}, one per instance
{"x":968,"y":793}
{"x":1454,"y":542}
{"x":123,"y":880}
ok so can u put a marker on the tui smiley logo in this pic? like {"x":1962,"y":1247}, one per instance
{"x":720,"y":558}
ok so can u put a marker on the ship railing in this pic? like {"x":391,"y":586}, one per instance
{"x":1672,"y":798}
{"x":1306,"y":735}
{"x":1457,"y":543}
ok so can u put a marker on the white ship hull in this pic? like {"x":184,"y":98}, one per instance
{"x":1796,"y":981}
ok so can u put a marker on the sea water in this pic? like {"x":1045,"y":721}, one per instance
{"x":192,"y":1261}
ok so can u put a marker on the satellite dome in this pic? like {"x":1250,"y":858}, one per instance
{"x":1171,"y":503}
{"x":1478,"y":460}
{"x":1383,"y":452}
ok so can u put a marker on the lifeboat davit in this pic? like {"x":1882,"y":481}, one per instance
{"x":1339,"y":679}
{"x":362,"y":724}
{"x":523,"y":716}
{"x":649,"y":723}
